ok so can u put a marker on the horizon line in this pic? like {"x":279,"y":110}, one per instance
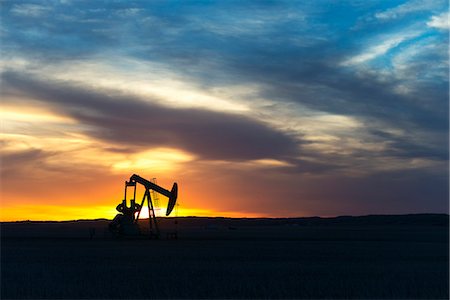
{"x":221,"y":217}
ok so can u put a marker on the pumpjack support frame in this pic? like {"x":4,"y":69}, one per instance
{"x":126,"y":222}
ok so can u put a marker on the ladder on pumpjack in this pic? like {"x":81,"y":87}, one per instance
{"x":155,"y":199}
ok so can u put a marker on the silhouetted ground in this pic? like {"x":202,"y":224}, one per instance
{"x":347,"y":257}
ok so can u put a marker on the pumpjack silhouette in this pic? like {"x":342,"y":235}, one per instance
{"x":125,"y":223}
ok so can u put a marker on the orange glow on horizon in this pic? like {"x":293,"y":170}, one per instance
{"x":68,"y":213}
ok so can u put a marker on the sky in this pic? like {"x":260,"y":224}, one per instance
{"x":255,"y":108}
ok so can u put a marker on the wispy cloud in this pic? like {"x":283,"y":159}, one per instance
{"x":381,"y":48}
{"x":408,"y":7}
{"x":30,"y":10}
{"x":440,"y":21}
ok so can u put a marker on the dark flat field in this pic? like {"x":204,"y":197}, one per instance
{"x":351,"y":257}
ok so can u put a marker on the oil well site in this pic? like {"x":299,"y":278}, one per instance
{"x":396,"y":256}
{"x":257,"y":149}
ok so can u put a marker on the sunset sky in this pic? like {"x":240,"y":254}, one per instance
{"x":255,"y":108}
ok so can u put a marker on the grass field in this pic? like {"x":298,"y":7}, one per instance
{"x":241,"y":260}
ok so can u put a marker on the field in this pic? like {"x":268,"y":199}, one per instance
{"x":367,"y":257}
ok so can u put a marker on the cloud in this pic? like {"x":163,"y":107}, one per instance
{"x":30,"y":10}
{"x":440,"y":21}
{"x":15,"y":162}
{"x":128,"y":121}
{"x":380,"y":48}
{"x":406,"y":8}
{"x":294,"y":61}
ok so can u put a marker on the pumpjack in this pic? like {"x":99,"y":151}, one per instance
{"x":125,"y":223}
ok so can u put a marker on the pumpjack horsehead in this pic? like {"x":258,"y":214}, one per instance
{"x":125,"y":222}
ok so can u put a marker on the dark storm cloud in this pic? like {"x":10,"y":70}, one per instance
{"x":130,"y":122}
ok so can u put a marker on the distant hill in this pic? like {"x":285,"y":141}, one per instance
{"x":407,"y":219}
{"x":376,"y":220}
{"x":375,"y":227}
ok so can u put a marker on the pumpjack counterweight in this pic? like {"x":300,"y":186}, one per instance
{"x":125,"y":223}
